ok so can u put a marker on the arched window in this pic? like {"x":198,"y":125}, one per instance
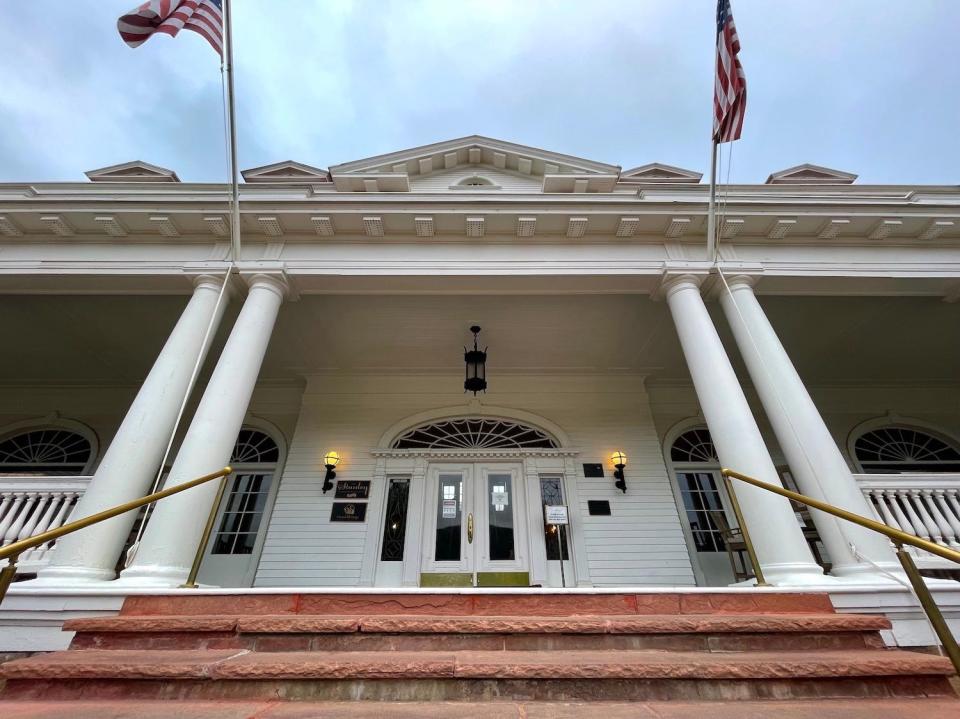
{"x":905,"y":449}
{"x":475,"y":434}
{"x":475,"y":181}
{"x":694,"y":445}
{"x":255,"y":447}
{"x":49,"y":451}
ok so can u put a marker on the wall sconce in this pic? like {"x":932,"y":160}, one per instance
{"x":619,"y":461}
{"x":476,"y":362}
{"x":330,"y":461}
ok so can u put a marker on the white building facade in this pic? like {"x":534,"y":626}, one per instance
{"x":818,"y":352}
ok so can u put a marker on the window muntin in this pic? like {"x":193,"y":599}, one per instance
{"x":704,"y":508}
{"x":50,"y":451}
{"x":255,"y":447}
{"x":904,"y":449}
{"x":694,"y":445}
{"x":475,"y":434}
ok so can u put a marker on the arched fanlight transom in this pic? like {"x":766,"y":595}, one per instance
{"x":903,"y":449}
{"x":694,"y":445}
{"x":255,"y":447}
{"x":475,"y":434}
{"x":45,"y":451}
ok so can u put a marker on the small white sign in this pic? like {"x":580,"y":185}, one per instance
{"x":499,"y":499}
{"x":449,"y":508}
{"x":556,"y":514}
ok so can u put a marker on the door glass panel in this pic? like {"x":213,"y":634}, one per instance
{"x":701,"y":500}
{"x":243,"y":511}
{"x":395,"y":522}
{"x":551,"y":493}
{"x":449,"y":518}
{"x":500,"y":513}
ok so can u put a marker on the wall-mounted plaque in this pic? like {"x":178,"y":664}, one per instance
{"x":347,"y":489}
{"x":348,"y":512}
{"x":598,"y":507}
{"x":592,"y":470}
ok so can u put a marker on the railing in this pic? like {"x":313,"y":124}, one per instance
{"x":897,"y":536}
{"x":35,"y":504}
{"x":927,"y":505}
{"x":15,"y":550}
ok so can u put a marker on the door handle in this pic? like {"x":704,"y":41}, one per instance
{"x":470,"y":528}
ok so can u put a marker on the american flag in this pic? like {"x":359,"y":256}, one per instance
{"x":730,"y":96}
{"x":170,"y":17}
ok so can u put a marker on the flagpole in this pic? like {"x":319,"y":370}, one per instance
{"x":232,"y":122}
{"x":712,"y":208}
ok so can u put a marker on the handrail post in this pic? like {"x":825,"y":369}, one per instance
{"x":191,"y":582}
{"x":7,"y":574}
{"x":758,"y":572}
{"x":929,"y":606}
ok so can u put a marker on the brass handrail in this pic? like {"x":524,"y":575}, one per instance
{"x":14,"y":550}
{"x":899,"y":538}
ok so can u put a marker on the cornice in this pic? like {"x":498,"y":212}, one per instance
{"x":474,"y":453}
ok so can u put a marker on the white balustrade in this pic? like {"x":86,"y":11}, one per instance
{"x":30,"y":505}
{"x":927,"y":505}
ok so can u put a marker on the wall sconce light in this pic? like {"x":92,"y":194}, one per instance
{"x":476,"y":362}
{"x":619,"y":461}
{"x":330,"y":460}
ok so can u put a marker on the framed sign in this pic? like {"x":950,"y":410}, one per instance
{"x":592,"y":470}
{"x":598,"y":507}
{"x":556,"y":514}
{"x":348,"y":512}
{"x":347,"y":489}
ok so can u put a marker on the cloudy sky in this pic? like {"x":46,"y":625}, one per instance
{"x":858,"y":85}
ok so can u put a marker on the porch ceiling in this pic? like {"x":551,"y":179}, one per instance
{"x":90,"y":339}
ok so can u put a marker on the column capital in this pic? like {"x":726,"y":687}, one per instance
{"x":673,"y":280}
{"x":741,"y":279}
{"x":274,"y":280}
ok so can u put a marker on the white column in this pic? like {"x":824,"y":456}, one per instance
{"x":173,"y":532}
{"x":133,"y":458}
{"x":813,"y":456}
{"x":779,"y":542}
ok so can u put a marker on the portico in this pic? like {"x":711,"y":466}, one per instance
{"x":342,"y":328}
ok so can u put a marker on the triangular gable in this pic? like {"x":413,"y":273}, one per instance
{"x":286,"y":171}
{"x":472,"y":150}
{"x":658,"y":172}
{"x":135,"y":171}
{"x":807,"y":174}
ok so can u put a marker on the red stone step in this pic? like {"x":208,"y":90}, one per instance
{"x":519,"y":603}
{"x":822,"y":709}
{"x":409,"y":633}
{"x":445,"y":676}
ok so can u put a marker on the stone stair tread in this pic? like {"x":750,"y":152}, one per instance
{"x":573,"y":664}
{"x":584,"y":624}
{"x":820,"y":709}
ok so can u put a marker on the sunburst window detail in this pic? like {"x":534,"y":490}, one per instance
{"x":45,"y":451}
{"x":905,"y":449}
{"x":254,"y":447}
{"x":475,"y":434}
{"x":694,"y":445}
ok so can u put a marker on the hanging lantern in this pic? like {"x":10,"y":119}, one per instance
{"x":476,"y":362}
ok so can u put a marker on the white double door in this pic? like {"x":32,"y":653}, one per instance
{"x":476,"y":520}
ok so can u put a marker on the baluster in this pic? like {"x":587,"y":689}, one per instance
{"x":952,"y":517}
{"x":953,"y":499}
{"x":69,"y":501}
{"x":917,"y":524}
{"x":33,"y":555}
{"x":897,"y":510}
{"x":22,"y":516}
{"x":7,"y":523}
{"x":4,"y":504}
{"x":932,"y":527}
{"x":887,"y":516}
{"x":872,"y":503}
{"x":946,"y":531}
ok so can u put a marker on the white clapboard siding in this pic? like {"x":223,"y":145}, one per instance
{"x":640,"y":543}
{"x":444,"y":179}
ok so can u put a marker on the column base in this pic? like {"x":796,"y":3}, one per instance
{"x":152,"y":576}
{"x":863,"y":573}
{"x":793,"y":575}
{"x":65,"y":576}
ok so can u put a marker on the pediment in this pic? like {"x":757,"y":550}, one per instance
{"x":135,"y":171}
{"x":286,"y":172}
{"x":807,"y":174}
{"x":474,"y":150}
{"x":658,"y":172}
